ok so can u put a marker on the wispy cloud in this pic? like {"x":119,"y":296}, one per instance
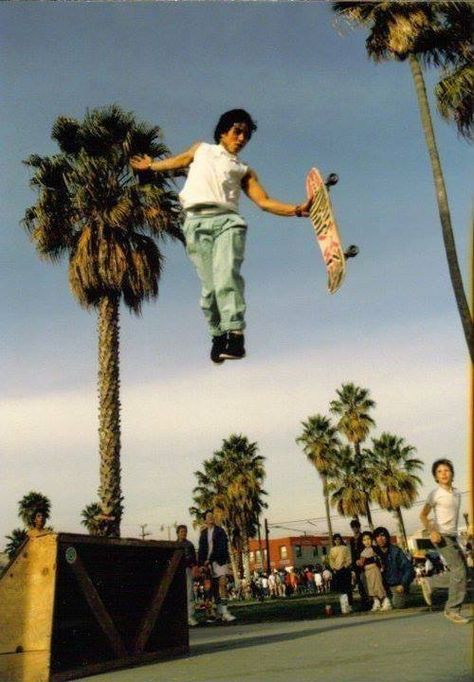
{"x":169,"y":427}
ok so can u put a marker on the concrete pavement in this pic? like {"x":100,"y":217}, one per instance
{"x":412,"y":645}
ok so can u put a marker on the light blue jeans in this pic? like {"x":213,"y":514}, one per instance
{"x":216,"y":246}
{"x":455,"y":578}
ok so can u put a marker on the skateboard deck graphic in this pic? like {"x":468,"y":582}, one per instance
{"x":325,"y":227}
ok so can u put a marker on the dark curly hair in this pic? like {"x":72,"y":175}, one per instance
{"x":381,"y":530}
{"x":339,"y":536}
{"x":439,"y":462}
{"x":228,"y":119}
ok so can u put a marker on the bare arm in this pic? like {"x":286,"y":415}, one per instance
{"x":428,"y":524}
{"x":256,"y":192}
{"x":177,"y":162}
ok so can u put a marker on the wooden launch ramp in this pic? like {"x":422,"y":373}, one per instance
{"x":77,"y":605}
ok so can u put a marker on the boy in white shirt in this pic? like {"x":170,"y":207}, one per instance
{"x":445,"y":502}
{"x":215,"y":232}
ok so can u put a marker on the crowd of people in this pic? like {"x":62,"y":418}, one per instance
{"x":369,"y":563}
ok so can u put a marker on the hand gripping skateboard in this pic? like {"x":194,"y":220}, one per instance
{"x":325,"y":227}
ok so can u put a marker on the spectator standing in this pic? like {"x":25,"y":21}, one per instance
{"x":191,"y":564}
{"x":213,"y":555}
{"x":357,"y":546}
{"x":445,"y":501}
{"x":318,"y":580}
{"x":272,"y":586}
{"x":38,"y":527}
{"x":280,"y":583}
{"x":370,"y":563}
{"x":340,"y":562}
{"x":327,"y":579}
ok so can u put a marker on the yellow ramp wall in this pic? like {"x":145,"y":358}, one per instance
{"x":26,"y":608}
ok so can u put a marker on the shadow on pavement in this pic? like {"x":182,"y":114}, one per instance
{"x":231,"y":643}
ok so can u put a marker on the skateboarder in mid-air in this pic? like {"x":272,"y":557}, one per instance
{"x":214,"y":230}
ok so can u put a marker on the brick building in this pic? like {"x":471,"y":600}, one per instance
{"x":297,"y":551}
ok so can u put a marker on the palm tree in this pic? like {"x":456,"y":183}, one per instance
{"x":31,"y":504}
{"x":15,"y":540}
{"x":92,"y":208}
{"x":320,"y":444}
{"x":91,"y":518}
{"x":449,"y":45}
{"x":396,"y":483}
{"x":209,"y":493}
{"x":351,"y":485}
{"x":232,"y":481}
{"x":352,"y":407}
{"x":436,"y":32}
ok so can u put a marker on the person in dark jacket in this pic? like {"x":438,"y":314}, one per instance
{"x":213,"y":555}
{"x":398,"y":572}
{"x":190,"y":561}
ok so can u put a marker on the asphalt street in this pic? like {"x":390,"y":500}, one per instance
{"x":414,"y":645}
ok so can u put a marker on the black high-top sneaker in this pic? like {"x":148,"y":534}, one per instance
{"x":218,"y":346}
{"x":234,"y":349}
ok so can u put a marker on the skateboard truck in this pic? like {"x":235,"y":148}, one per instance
{"x":331,"y":180}
{"x":353,"y":250}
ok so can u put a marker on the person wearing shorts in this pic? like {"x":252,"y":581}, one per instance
{"x":213,"y":556}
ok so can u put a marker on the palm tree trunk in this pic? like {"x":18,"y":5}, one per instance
{"x":245,"y":555}
{"x":358,"y":459}
{"x":443,"y":206}
{"x":357,"y":452}
{"x":401,"y":523}
{"x":234,"y":562}
{"x":326,"y":504}
{"x":110,"y":494}
{"x":368,"y":513}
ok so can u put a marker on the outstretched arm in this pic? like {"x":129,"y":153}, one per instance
{"x":183,"y":160}
{"x":256,"y":192}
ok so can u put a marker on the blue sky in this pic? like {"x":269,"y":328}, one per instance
{"x":392,"y":328}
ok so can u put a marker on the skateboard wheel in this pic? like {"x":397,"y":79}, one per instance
{"x":352,"y":251}
{"x":331,"y":179}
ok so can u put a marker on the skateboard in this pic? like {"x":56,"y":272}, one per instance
{"x":325,"y":227}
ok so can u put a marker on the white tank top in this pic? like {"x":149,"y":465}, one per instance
{"x":214,"y":177}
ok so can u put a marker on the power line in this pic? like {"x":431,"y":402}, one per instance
{"x":338,"y":516}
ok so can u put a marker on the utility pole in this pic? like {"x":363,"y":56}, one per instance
{"x":144,"y":533}
{"x":259,"y":537}
{"x":267,"y":545}
{"x":168,"y":529}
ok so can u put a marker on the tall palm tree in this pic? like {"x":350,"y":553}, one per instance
{"x":433,"y":32}
{"x":321,"y":444}
{"x":31,"y":504}
{"x":92,"y":209}
{"x":232,"y":481}
{"x":244,"y":473}
{"x":396,"y":483}
{"x":352,"y":407}
{"x":91,"y":518}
